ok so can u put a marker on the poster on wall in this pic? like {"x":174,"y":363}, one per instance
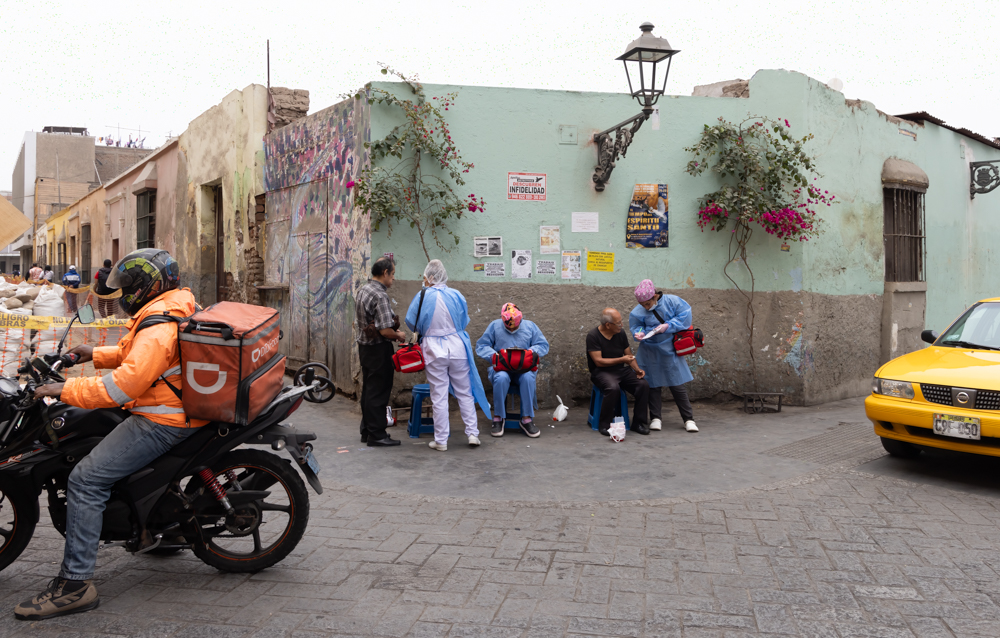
{"x":646,"y":226}
{"x":571,"y":264}
{"x":488,"y":246}
{"x":495,"y":269}
{"x":548,"y":237}
{"x":600,"y":262}
{"x":526,"y":186}
{"x":545,"y":267}
{"x":585,"y":223}
{"x":520,"y":264}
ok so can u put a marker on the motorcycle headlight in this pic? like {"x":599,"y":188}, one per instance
{"x":889,"y":388}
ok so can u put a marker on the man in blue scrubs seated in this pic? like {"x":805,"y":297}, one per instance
{"x":511,"y":330}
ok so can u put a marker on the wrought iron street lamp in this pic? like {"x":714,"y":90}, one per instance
{"x":985,"y":177}
{"x":646,"y":58}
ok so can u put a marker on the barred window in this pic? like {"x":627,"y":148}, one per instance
{"x":145,"y":218}
{"x":903,"y":234}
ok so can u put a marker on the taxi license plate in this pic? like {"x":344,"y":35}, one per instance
{"x":314,"y":464}
{"x":959,"y":427}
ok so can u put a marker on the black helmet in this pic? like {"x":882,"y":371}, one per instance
{"x":143,"y":275}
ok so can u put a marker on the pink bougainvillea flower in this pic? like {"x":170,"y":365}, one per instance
{"x":787,"y":124}
{"x":350,"y":184}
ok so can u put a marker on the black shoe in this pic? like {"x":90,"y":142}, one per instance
{"x":60,"y":598}
{"x":604,"y":431}
{"x":641,"y":429}
{"x":364,"y":438}
{"x":497,"y":428}
{"x":386,"y":442}
{"x":530,"y":429}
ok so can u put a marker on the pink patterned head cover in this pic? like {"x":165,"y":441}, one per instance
{"x":511,"y":316}
{"x":644,"y":291}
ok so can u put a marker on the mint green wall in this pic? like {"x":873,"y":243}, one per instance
{"x":503,"y":130}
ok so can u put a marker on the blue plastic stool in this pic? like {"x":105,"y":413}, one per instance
{"x":513,"y":421}
{"x":417,"y":424}
{"x":596,"y":398}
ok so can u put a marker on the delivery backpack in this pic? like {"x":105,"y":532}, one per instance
{"x":229,"y":360}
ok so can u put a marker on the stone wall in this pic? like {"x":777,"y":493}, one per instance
{"x":288,"y":105}
{"x":792,"y":330}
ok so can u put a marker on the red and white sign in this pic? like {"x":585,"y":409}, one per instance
{"x":526,"y":186}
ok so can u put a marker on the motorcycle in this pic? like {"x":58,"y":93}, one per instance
{"x":238,"y":510}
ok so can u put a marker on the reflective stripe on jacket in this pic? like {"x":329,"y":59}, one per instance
{"x":138,"y":361}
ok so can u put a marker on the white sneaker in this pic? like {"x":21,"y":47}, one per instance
{"x":473,"y":441}
{"x":690,"y":426}
{"x":440,"y":447}
{"x":655,"y":424}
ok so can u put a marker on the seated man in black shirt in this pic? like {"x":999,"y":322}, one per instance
{"x":613,"y":369}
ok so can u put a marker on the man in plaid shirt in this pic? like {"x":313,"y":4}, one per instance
{"x":378,"y":327}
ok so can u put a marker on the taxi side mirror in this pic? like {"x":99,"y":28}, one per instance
{"x":929,"y":336}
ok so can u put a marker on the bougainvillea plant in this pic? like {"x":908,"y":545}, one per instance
{"x":416,"y":168}
{"x":768,"y":181}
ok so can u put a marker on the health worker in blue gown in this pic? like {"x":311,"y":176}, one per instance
{"x":512,"y":330}
{"x":448,"y":359}
{"x":662,"y":315}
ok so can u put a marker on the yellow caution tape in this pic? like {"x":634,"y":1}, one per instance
{"x":30,"y":322}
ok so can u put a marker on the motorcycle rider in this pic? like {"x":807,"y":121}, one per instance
{"x":148,"y":279}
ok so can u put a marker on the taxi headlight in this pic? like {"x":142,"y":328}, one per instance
{"x":889,"y":388}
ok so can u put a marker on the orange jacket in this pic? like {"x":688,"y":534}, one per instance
{"x":138,"y":361}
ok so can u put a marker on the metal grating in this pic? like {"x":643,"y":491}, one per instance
{"x":903,"y":234}
{"x":844,"y":442}
{"x":987,"y":400}
{"x":936,"y":393}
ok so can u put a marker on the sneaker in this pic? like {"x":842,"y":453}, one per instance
{"x":60,"y":598}
{"x":690,"y":426}
{"x":655,"y":424}
{"x":530,"y":428}
{"x":638,"y":428}
{"x":434,"y":445}
{"x":474,"y":441}
{"x":497,"y":428}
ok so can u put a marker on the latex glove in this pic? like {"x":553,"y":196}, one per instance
{"x":639,"y":335}
{"x":660,"y":328}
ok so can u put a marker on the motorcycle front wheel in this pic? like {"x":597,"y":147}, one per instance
{"x":18,"y":516}
{"x":260,"y":533}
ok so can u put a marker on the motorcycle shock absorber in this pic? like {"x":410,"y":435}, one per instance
{"x":231,"y":475}
{"x":212,"y":483}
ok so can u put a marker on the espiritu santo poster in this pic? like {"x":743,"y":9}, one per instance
{"x":646,"y":226}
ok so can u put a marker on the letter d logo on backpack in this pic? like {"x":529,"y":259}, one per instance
{"x":193,"y":366}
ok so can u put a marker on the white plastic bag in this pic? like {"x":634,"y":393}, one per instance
{"x":559,"y":414}
{"x":617,"y":430}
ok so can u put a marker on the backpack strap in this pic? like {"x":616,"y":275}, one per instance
{"x":155,"y":320}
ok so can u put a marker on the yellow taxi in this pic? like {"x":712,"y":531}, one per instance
{"x":944,"y":396}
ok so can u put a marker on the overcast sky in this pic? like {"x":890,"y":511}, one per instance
{"x":158,"y":66}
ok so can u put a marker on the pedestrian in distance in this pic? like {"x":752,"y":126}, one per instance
{"x":48,"y":274}
{"x":106,"y":307}
{"x":71,"y":280}
{"x":613,"y":369}
{"x":440,"y":314}
{"x":35,"y":273}
{"x":378,"y":327}
{"x":653,"y":323}
{"x":511,"y":330}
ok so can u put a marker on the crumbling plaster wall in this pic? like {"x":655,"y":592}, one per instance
{"x":221,"y":147}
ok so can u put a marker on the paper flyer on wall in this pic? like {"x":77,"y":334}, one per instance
{"x":495,"y":269}
{"x":526,"y":186}
{"x":646,"y":226}
{"x":585,"y":222}
{"x":571,"y":264}
{"x":549,"y":240}
{"x":520,"y":264}
{"x":600,"y":262}
{"x":488,"y":246}
{"x":545,"y":267}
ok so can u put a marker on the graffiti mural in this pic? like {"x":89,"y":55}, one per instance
{"x":316,"y":241}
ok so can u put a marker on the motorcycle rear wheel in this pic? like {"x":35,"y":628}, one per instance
{"x":260,"y":533}
{"x":18,"y":517}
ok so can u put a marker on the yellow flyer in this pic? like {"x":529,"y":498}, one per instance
{"x":600,"y":262}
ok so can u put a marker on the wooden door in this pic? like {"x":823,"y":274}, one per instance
{"x":222,"y":287}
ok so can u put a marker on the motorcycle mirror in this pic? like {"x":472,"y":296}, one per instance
{"x":85,"y":314}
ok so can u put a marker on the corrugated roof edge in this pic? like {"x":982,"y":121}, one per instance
{"x":923,"y":116}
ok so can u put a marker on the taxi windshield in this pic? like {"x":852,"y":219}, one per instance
{"x":978,"y":328}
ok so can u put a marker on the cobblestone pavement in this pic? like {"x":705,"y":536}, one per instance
{"x":834,"y":553}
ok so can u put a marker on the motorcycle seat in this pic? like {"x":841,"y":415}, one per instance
{"x":196,"y":441}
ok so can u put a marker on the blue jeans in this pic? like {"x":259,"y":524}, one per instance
{"x":131,"y":446}
{"x":501,"y":385}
